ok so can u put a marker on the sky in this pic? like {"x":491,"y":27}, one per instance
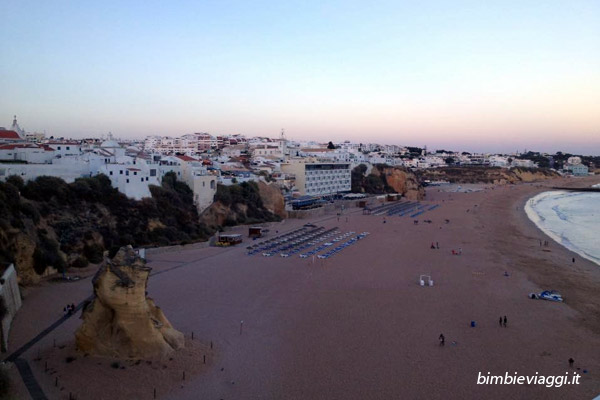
{"x":467,"y":75}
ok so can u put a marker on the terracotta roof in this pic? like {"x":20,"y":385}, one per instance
{"x":63,"y":143}
{"x":186,"y":158}
{"x":9,"y":135}
{"x":133,"y":169}
{"x":317,"y":150}
{"x":20,"y":146}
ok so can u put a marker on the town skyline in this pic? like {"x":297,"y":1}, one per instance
{"x":506,"y":149}
{"x":482,"y":77}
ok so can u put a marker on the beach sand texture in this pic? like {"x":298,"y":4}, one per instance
{"x":357,"y":325}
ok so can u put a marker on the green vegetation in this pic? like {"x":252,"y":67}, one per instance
{"x":558,"y":160}
{"x":89,"y":216}
{"x":245,"y":202}
{"x":374,"y":183}
{"x":79,"y":221}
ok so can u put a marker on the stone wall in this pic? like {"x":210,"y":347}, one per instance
{"x":11,"y":297}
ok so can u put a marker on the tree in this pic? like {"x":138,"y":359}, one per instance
{"x":330,"y":146}
{"x":449,"y":160}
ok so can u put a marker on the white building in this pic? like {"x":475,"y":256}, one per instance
{"x":317,"y":178}
{"x":576,"y":169}
{"x":27,"y":152}
{"x":64,"y":148}
{"x":132,"y":176}
{"x":523,"y":163}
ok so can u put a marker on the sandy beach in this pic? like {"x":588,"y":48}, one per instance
{"x":357,"y":325}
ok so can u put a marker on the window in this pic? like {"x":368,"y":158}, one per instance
{"x":68,"y":148}
{"x":152,"y":172}
{"x":121,"y":172}
{"x":135,"y":172}
{"x":127,"y":180}
{"x":58,"y":147}
{"x":142,"y":179}
{"x":146,"y":179}
{"x":127,"y":173}
{"x":110,"y":173}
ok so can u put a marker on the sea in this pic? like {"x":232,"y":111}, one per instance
{"x":570,"y":218}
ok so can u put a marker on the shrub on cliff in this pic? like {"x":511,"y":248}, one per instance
{"x":47,"y":253}
{"x":245,"y":202}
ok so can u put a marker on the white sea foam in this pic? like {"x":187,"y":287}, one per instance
{"x":570,"y":218}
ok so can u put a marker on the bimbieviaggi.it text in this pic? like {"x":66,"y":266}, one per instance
{"x":515,"y":379}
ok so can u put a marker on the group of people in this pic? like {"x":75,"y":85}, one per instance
{"x":69,"y":309}
{"x":502,"y":321}
{"x":544,"y":243}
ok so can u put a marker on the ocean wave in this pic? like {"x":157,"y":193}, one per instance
{"x":560,"y":214}
{"x":571,"y":219}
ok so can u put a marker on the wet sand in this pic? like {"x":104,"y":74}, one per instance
{"x":358,"y":325}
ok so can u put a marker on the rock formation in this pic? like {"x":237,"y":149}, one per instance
{"x":272,"y":198}
{"x":122,"y":321}
{"x":401,"y":181}
{"x":245,"y":203}
{"x":488,"y":175}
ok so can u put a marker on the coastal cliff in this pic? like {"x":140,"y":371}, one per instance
{"x":48,"y":225}
{"x":387,"y":179}
{"x":246,"y":203}
{"x":491,"y":175}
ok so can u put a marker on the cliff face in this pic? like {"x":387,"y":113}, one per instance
{"x":246,"y":203}
{"x":49,"y":223}
{"x":386,"y":179}
{"x":122,"y":321}
{"x":272,"y":198}
{"x":487,"y":175}
{"x":401,"y":181}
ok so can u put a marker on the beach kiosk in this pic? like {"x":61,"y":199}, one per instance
{"x":229,"y":240}
{"x":256,"y":232}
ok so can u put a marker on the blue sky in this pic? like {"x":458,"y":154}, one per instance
{"x":475,"y":75}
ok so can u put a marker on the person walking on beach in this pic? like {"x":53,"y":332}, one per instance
{"x":505,"y":321}
{"x":573,"y":260}
{"x":571,"y":361}
{"x":442,"y":339}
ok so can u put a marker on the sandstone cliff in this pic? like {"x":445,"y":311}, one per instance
{"x":387,"y":179}
{"x":401,"y":181}
{"x":122,"y":321}
{"x":49,"y":223}
{"x":272,"y":198}
{"x":246,"y":203}
{"x":491,"y":175}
